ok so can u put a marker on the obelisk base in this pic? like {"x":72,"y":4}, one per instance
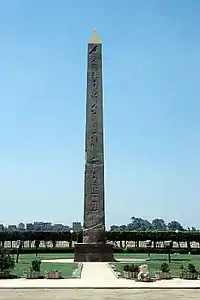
{"x":95,"y":252}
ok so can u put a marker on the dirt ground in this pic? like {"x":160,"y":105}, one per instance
{"x":101,"y":294}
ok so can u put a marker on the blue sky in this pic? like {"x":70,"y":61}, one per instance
{"x":151,"y":68}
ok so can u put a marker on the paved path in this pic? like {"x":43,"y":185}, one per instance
{"x":103,"y":294}
{"x":98,"y":274}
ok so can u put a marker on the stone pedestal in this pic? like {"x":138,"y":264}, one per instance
{"x":93,"y":252}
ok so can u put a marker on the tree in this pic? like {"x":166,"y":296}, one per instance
{"x":37,"y":245}
{"x":20,"y":245}
{"x":159,"y":224}
{"x":122,"y":227}
{"x":46,"y":243}
{"x":54,"y":242}
{"x":114,"y":227}
{"x":139,"y":224}
{"x":174,"y":225}
{"x":6,"y":260}
{"x":130,"y":226}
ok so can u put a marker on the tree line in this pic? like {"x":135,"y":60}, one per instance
{"x":156,"y":224}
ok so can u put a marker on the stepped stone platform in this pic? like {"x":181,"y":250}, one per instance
{"x":89,"y":252}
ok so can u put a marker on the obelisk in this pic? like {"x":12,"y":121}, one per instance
{"x":94,"y":247}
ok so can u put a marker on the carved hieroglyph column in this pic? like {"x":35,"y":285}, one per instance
{"x":94,"y":213}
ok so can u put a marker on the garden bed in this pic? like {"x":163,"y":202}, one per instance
{"x":154,"y":267}
{"x":66,"y":269}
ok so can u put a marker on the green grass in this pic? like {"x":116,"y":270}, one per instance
{"x":158,"y":259}
{"x":25,"y":260}
{"x":67,"y":268}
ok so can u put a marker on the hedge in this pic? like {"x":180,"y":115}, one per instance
{"x":43,"y":250}
{"x":153,"y":235}
{"x":116,"y":250}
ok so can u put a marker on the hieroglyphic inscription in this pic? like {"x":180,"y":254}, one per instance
{"x":94,"y":185}
{"x":94,"y":94}
{"x":93,"y":142}
{"x":93,"y":204}
{"x":93,"y":80}
{"x":93,"y":56}
{"x":93,"y":138}
{"x":93,"y":49}
{"x":93,"y":109}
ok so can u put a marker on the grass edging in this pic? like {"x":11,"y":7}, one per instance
{"x":113,"y":271}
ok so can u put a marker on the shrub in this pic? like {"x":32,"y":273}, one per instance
{"x":116,"y":250}
{"x":127,"y":268}
{"x":31,"y":250}
{"x":35,"y":265}
{"x":7,"y":262}
{"x":131,"y":268}
{"x":134,"y":268}
{"x":191,"y":268}
{"x":165,"y":268}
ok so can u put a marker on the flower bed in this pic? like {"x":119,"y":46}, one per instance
{"x":130,"y":271}
{"x":34,"y":271}
{"x":53,"y":275}
{"x":164,"y":272}
{"x":163,"y":275}
{"x":190,"y":276}
{"x":189,"y":272}
{"x":32,"y":274}
{"x":4,"y":274}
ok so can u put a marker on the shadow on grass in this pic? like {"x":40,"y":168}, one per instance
{"x":165,"y":259}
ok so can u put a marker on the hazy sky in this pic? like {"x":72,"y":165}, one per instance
{"x":151,"y":68}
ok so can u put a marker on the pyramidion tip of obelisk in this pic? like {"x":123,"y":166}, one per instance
{"x":94,"y":39}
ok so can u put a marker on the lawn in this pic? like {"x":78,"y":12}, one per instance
{"x":158,"y":259}
{"x":66,"y":269}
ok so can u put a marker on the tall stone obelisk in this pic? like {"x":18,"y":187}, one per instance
{"x":94,"y":247}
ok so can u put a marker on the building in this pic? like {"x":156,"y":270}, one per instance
{"x":12,"y":227}
{"x":42,"y":226}
{"x":58,"y":227}
{"x":76,"y":226}
{"x":1,"y":227}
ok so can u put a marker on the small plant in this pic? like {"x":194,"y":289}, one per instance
{"x":191,"y":268}
{"x":127,"y":268}
{"x":35,"y":265}
{"x":134,"y":268}
{"x":189,"y":272}
{"x":165,"y":268}
{"x":7,"y":262}
{"x":164,"y":272}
